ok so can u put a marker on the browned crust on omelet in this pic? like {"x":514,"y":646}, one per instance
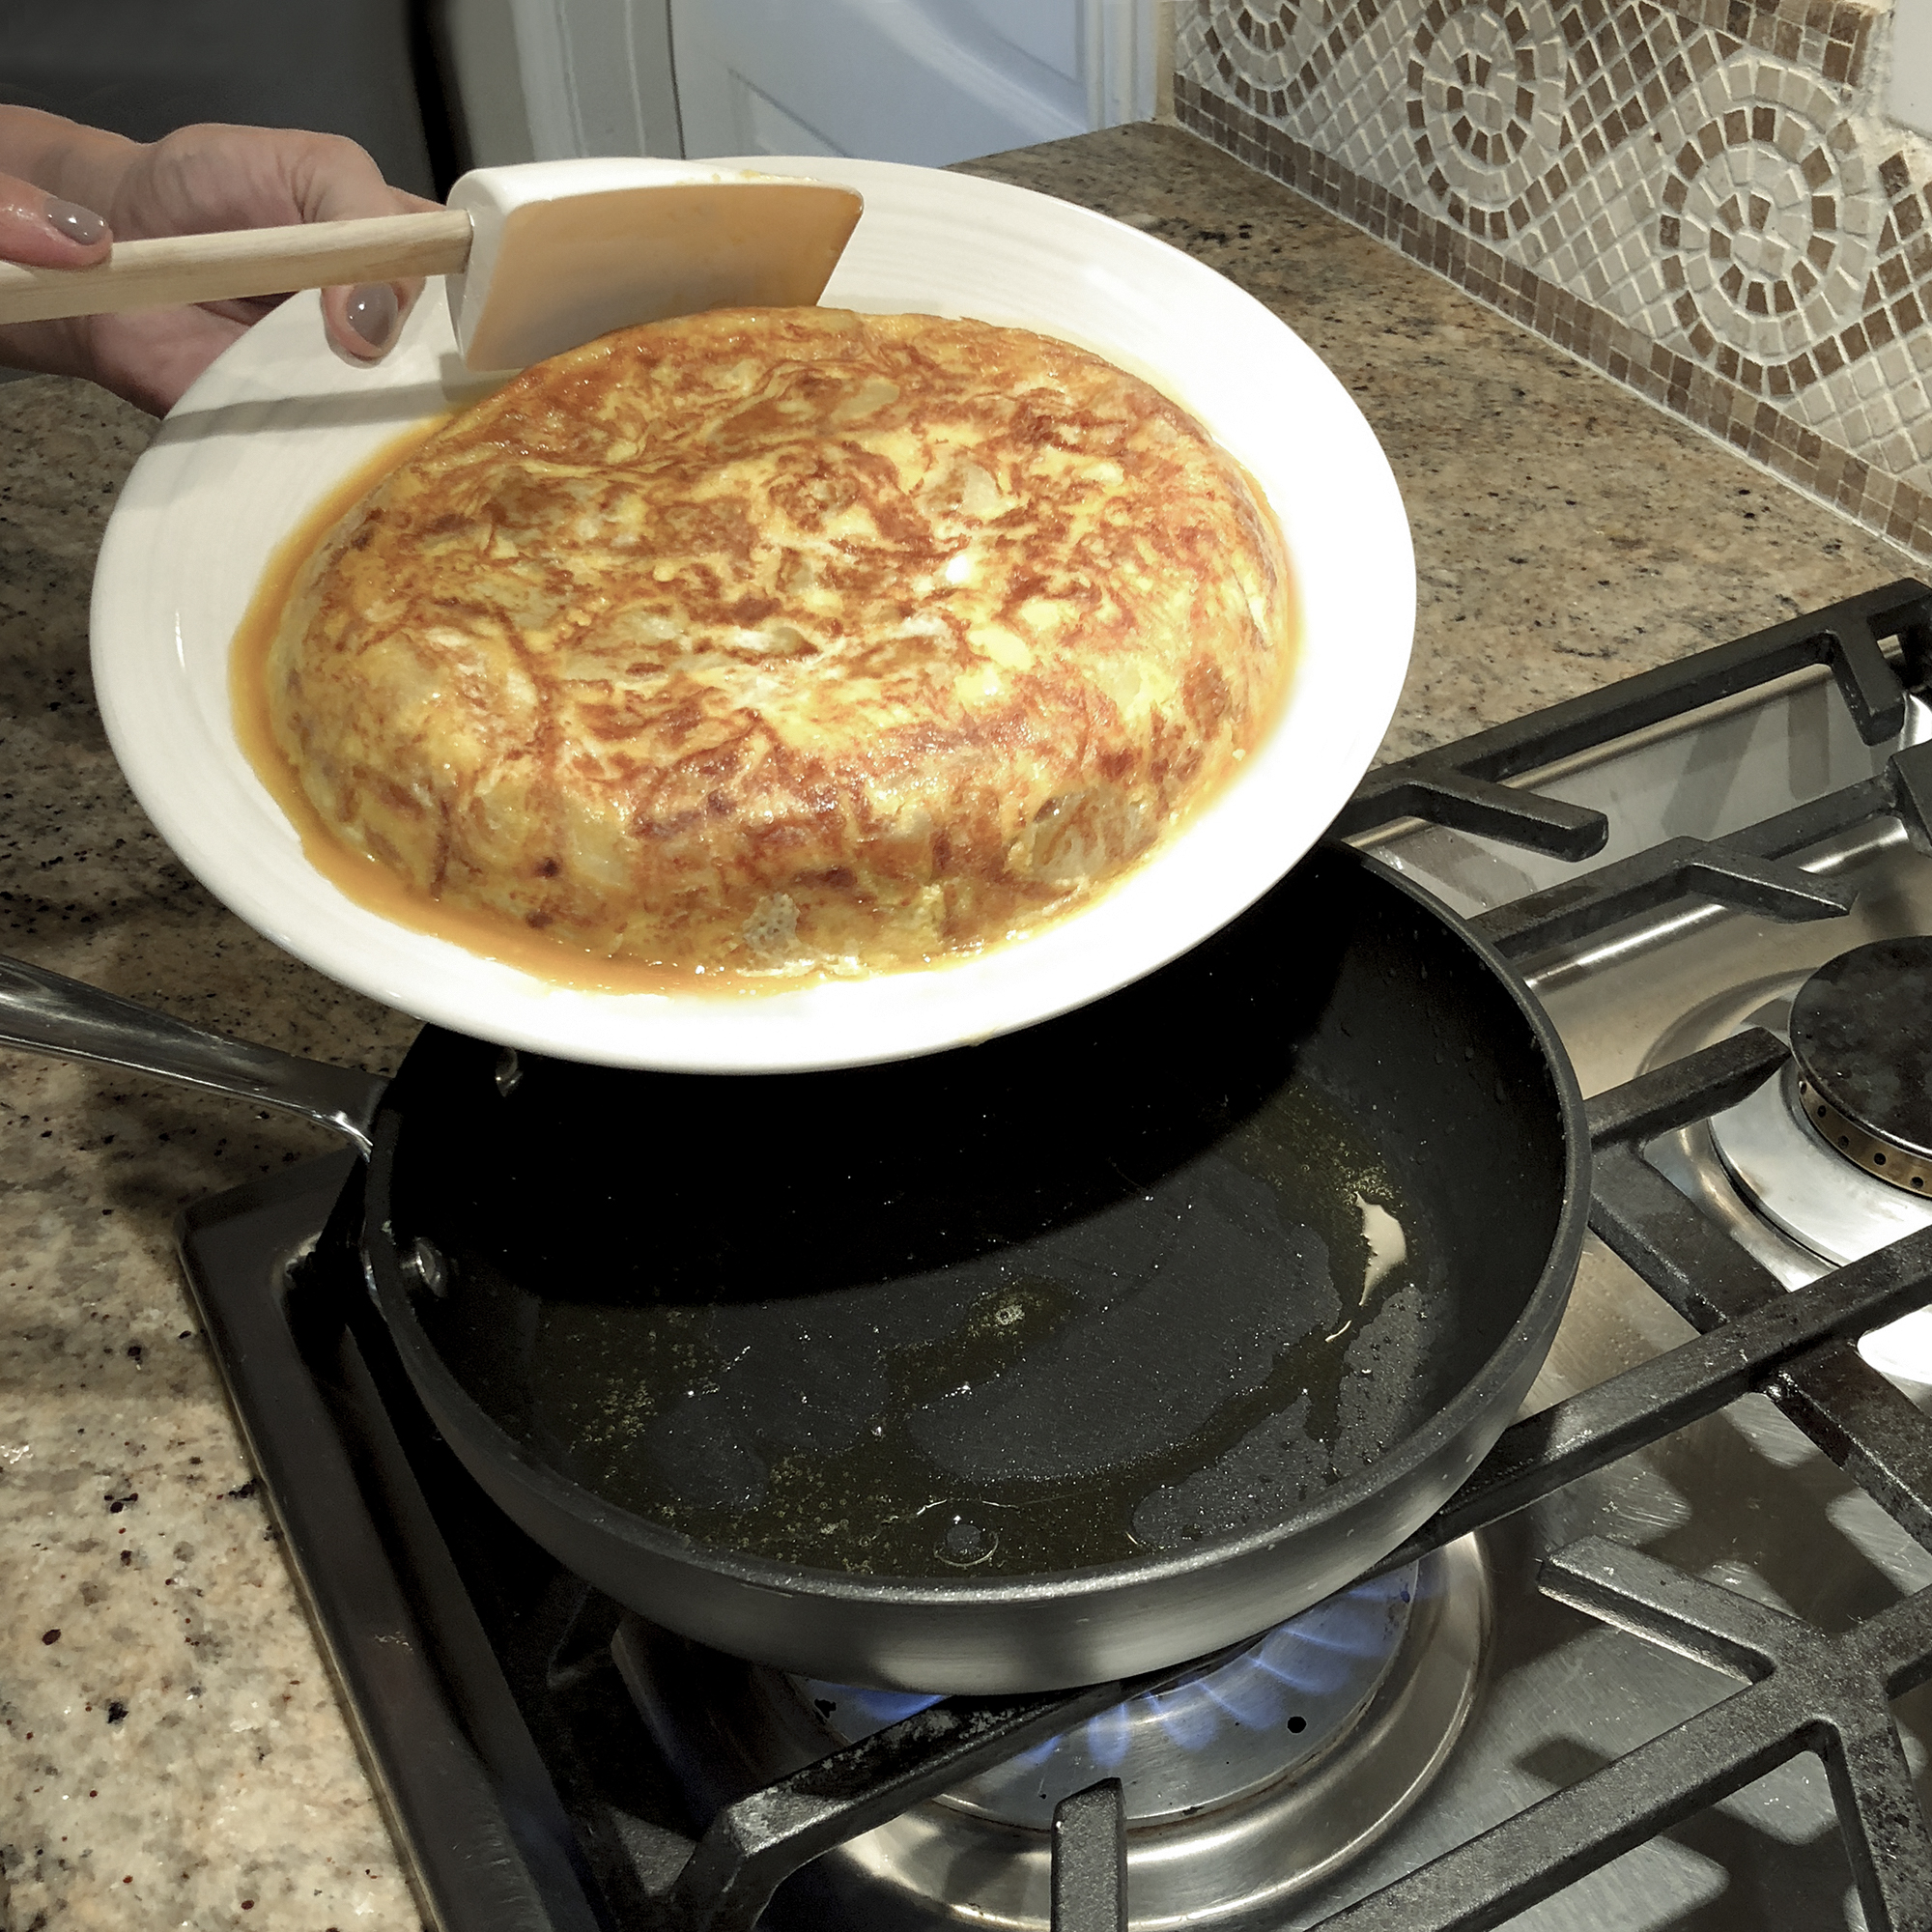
{"x":784,"y":640}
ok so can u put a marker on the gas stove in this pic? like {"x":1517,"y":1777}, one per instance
{"x":1659,"y":1663}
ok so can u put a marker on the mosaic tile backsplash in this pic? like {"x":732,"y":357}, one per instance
{"x":1700,"y":200}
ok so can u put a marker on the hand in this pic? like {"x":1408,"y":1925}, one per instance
{"x":81,"y":190}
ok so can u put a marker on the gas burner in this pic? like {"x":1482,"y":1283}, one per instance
{"x":1243,"y":1785}
{"x":1771,"y":1150}
{"x":1861,"y":1036}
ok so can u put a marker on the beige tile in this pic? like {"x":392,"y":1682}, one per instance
{"x":1731,"y":214}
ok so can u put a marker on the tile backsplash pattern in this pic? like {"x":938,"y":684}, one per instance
{"x":1694,"y":199}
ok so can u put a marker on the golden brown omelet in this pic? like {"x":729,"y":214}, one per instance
{"x":786,"y":641}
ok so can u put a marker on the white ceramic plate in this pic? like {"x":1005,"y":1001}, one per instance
{"x":279,"y":421}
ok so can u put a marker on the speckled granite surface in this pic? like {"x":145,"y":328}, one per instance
{"x":173,"y":1754}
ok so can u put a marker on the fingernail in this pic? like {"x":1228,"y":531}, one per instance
{"x":77,"y":223}
{"x":372,"y":313}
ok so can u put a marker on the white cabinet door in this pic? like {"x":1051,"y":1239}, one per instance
{"x":897,"y":80}
{"x":1908,"y":96}
{"x":893,"y":80}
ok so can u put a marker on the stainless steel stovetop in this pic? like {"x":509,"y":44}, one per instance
{"x":1743,"y":1497}
{"x":549,"y":1763}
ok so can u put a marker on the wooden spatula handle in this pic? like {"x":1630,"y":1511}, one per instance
{"x":245,"y":262}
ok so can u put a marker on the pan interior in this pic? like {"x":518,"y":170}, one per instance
{"x":1156,"y":1273}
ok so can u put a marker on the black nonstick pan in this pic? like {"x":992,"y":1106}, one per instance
{"x":1031,"y":1364}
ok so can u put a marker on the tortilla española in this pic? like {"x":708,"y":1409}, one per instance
{"x":772,"y":644}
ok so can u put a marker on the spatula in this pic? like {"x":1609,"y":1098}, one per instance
{"x":539,"y":257}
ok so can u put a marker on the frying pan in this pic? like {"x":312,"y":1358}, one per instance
{"x":1026,"y":1365}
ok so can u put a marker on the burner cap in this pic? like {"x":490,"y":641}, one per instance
{"x":1861,"y":1036}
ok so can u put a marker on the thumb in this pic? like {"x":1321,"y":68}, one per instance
{"x":40,"y":231}
{"x":362,"y":323}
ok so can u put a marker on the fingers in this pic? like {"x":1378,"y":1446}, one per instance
{"x":40,"y":231}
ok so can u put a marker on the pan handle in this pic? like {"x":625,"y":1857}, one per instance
{"x":47,"y":1013}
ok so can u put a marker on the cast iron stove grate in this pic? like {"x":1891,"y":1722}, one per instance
{"x":481,"y":1677}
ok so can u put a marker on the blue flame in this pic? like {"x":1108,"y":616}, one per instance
{"x":889,"y":1707}
{"x":1187,"y":1714}
{"x":1314,"y":1656}
{"x":1108,"y":1736}
{"x":1253,"y":1695}
{"x":1326,"y":1653}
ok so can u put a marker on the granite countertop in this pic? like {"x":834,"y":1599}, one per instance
{"x":174,"y":1753}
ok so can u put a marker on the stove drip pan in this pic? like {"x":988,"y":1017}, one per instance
{"x":1243,"y":1785}
{"x":1803,"y":1184}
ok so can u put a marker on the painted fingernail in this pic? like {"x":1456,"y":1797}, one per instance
{"x":372,"y":313}
{"x":77,"y":223}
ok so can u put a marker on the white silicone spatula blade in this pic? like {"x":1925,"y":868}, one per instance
{"x":568,"y":250}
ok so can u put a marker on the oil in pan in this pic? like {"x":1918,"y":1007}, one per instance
{"x":1182,"y":1360}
